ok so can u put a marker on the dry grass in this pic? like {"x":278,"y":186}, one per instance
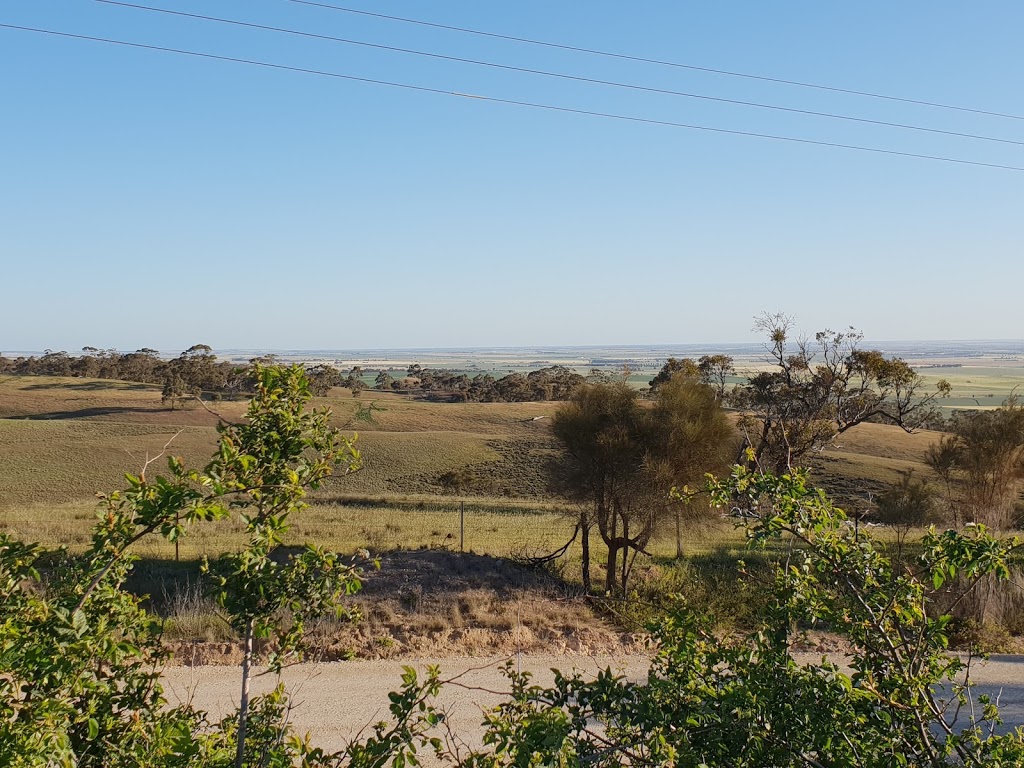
{"x":404,"y":414}
{"x":63,"y":440}
{"x":49,"y":398}
{"x":72,"y":460}
{"x":410,"y":462}
{"x":432,"y":604}
{"x":882,"y":441}
{"x":438,"y":604}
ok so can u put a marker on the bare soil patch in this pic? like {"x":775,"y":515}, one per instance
{"x":441,"y":604}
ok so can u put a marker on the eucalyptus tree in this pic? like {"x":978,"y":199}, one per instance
{"x":622,"y":457}
{"x":816,"y":389}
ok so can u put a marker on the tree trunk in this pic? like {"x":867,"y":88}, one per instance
{"x":585,"y":529}
{"x":610,"y":577}
{"x":679,"y":533}
{"x":243,"y":706}
{"x":625,"y":555}
{"x":627,"y":567}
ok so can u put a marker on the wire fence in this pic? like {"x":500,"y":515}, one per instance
{"x":503,"y":530}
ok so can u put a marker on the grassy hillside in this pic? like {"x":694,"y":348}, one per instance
{"x":64,"y":440}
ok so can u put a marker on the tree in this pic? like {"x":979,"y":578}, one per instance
{"x":323,"y":378}
{"x":176,"y":391}
{"x":621,"y":458}
{"x":693,"y":436}
{"x":672,"y":366}
{"x":383,"y":380}
{"x":981,"y":462}
{"x":602,"y":428}
{"x":354,"y":380}
{"x":715,"y":370}
{"x":818,"y":389}
{"x":981,"y":465}
{"x":197,"y":365}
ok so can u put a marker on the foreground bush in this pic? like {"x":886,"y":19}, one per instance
{"x":745,"y":701}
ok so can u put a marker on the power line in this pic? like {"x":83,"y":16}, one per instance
{"x":560,"y":75}
{"x":660,"y":62}
{"x":512,"y":102}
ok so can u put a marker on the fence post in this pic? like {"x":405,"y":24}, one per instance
{"x":462,"y":526}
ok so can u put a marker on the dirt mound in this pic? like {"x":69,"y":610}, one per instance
{"x":442,"y":604}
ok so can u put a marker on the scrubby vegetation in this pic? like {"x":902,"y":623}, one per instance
{"x":744,"y":700}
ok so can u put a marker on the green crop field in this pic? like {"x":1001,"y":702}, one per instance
{"x":976,"y":386}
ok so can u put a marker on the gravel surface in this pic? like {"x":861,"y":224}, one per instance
{"x":335,"y":701}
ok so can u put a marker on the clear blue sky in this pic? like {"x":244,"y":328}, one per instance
{"x":150,"y":199}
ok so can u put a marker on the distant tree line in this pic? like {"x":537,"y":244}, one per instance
{"x":197,"y":371}
{"x":555,"y":382}
{"x":193,"y":373}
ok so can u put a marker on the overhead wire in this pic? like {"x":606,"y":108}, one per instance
{"x":560,"y":75}
{"x":511,"y":102}
{"x":660,"y":62}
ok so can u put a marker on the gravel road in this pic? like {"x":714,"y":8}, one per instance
{"x":335,"y":701}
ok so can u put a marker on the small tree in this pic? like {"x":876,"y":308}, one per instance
{"x":818,"y":389}
{"x":176,"y":391}
{"x":910,"y":503}
{"x":323,"y":378}
{"x":715,"y":371}
{"x":672,"y":366}
{"x":981,"y":462}
{"x":622,"y":456}
{"x":264,"y":468}
{"x":692,"y":436}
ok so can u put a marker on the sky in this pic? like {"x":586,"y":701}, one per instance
{"x":162,"y":200}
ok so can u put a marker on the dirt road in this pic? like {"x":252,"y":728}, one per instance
{"x":335,"y":701}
